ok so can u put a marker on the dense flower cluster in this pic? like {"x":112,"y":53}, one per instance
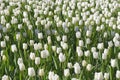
{"x":59,"y":39}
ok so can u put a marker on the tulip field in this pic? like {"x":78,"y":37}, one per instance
{"x":59,"y":39}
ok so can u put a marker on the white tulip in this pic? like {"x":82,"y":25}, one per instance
{"x":59,"y":50}
{"x":5,"y":77}
{"x":113,"y":63}
{"x":44,"y":53}
{"x":76,"y":68}
{"x":119,"y":55}
{"x":98,"y":76}
{"x":84,"y":63}
{"x":100,"y":46}
{"x":18,"y":36}
{"x":55,"y":77}
{"x":31,"y":42}
{"x":21,"y":67}
{"x":40,"y":35}
{"x":64,"y":38}
{"x":87,"y":53}
{"x":24,"y":46}
{"x":106,"y":76}
{"x":3,"y":44}
{"x":32,"y":56}
{"x":95,"y":55}
{"x":20,"y":60}
{"x":31,"y":72}
{"x":62,"y":57}
{"x":37,"y":60}
{"x":89,"y":67}
{"x":51,"y":75}
{"x":66,"y":72}
{"x":118,"y":74}
{"x":41,"y":72}
{"x":78,"y":34}
{"x":81,"y":43}
{"x":69,"y":65}
{"x":13,"y":48}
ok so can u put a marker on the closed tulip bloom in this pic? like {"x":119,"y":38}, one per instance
{"x":119,"y":55}
{"x":95,"y":55}
{"x":32,"y":56}
{"x":84,"y":63}
{"x":64,"y":38}
{"x":54,"y":48}
{"x":37,"y":60}
{"x":31,"y":42}
{"x":89,"y":67}
{"x":44,"y":54}
{"x":40,"y":35}
{"x":79,"y":52}
{"x":62,"y":57}
{"x":4,"y":58}
{"x":98,"y":76}
{"x":113,"y":63}
{"x":13,"y":48}
{"x":55,"y":77}
{"x":74,"y":79}
{"x":100,"y":46}
{"x":118,"y":74}
{"x":78,"y":34}
{"x":76,"y":68}
{"x":104,"y":56}
{"x":69,"y":65}
{"x":24,"y":46}
{"x":106,"y":76}
{"x":87,"y":53}
{"x":21,"y":67}
{"x":31,"y":72}
{"x":66,"y":72}
{"x":41,"y":72}
{"x":18,"y":36}
{"x":3,"y":44}
{"x":81,"y":43}
{"x":20,"y":60}
{"x":59,"y":50}
{"x":36,"y":46}
{"x":93,"y":49}
{"x":50,"y":75}
{"x":5,"y":77}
